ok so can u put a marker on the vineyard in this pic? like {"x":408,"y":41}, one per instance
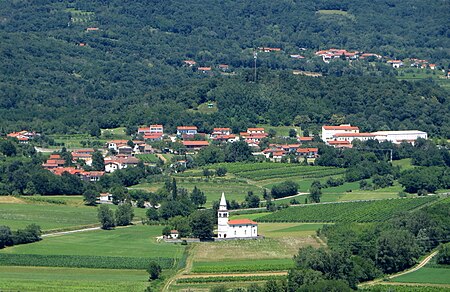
{"x":219,"y":279}
{"x":267,"y":170}
{"x":148,"y":158}
{"x":76,"y":261}
{"x":243,"y":266}
{"x":361,"y":211}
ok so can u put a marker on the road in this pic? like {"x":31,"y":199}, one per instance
{"x":84,"y":229}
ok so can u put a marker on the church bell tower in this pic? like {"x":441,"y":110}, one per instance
{"x":222,"y":218}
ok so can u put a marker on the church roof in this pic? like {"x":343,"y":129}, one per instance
{"x":242,"y":222}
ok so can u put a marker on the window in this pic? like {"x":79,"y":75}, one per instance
{"x":235,"y":232}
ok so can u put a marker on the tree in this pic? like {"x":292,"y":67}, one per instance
{"x":6,"y":238}
{"x":98,"y":163}
{"x":238,"y":151}
{"x":202,"y":224}
{"x":198,"y":197}
{"x":284,"y":189}
{"x":315,"y":194}
{"x":90,"y":197}
{"x":292,"y":133}
{"x":181,"y":224}
{"x":152,"y":214}
{"x":124,"y":214}
{"x":166,"y":231}
{"x":443,"y":256}
{"x":8,"y":148}
{"x":252,"y":200}
{"x":106,"y":217}
{"x":154,"y":270}
{"x":221,"y":171}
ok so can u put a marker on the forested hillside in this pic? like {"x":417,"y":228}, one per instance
{"x":56,"y":76}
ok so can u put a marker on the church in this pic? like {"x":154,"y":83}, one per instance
{"x":229,"y":229}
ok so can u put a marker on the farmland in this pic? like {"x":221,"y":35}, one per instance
{"x":51,"y":216}
{"x":431,"y":273}
{"x":361,"y":211}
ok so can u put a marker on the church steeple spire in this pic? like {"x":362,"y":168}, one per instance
{"x":223,"y":203}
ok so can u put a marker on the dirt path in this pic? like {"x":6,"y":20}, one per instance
{"x":160,"y":156}
{"x":413,"y":269}
{"x":180,"y":273}
{"x":84,"y":229}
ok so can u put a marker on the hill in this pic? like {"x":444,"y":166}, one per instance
{"x":127,"y":69}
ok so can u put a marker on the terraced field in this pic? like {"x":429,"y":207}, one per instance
{"x":360,"y":211}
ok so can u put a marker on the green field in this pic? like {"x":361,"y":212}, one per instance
{"x":71,"y":279}
{"x":274,"y":252}
{"x":149,"y":158}
{"x":426,"y":275}
{"x":212,"y":188}
{"x":362,"y":211}
{"x":51,"y":216}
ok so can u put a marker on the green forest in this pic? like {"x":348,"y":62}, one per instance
{"x":58,"y":77}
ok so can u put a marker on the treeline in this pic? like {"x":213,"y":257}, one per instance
{"x":29,"y":234}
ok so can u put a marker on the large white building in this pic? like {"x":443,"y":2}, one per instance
{"x":329,"y":131}
{"x":398,"y":137}
{"x":241,"y":228}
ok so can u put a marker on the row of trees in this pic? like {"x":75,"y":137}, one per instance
{"x":29,"y":234}
{"x":123,"y":216}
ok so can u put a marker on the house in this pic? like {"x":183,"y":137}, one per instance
{"x":255,"y":130}
{"x":23,"y":136}
{"x":223,"y":67}
{"x":186,"y":130}
{"x":156,"y":129}
{"x":432,"y":66}
{"x":54,"y":161}
{"x":115,"y":144}
{"x":340,"y":144}
{"x":195,"y":145}
{"x":304,"y":139}
{"x":226,"y":138}
{"x":204,"y":69}
{"x":297,"y":56}
{"x":398,"y":137}
{"x":220,"y":132}
{"x":190,"y":63}
{"x":253,"y":139}
{"x":92,"y":29}
{"x":234,"y":229}
{"x":125,"y":149}
{"x":395,"y":63}
{"x":144,"y":130}
{"x":153,"y":137}
{"x":119,"y":162}
{"x":329,"y":131}
{"x":105,"y":198}
{"x":269,"y":50}
{"x":308,"y":152}
{"x":174,"y":234}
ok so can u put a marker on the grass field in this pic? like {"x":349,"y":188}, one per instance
{"x":51,"y":216}
{"x":274,"y":252}
{"x":134,"y":241}
{"x":149,"y":158}
{"x":71,"y":279}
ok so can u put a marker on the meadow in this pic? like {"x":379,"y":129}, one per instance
{"x":19,"y":212}
{"x":273,"y":253}
{"x":431,"y":273}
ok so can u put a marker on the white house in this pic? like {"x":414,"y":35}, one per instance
{"x":241,"y":228}
{"x":353,"y":136}
{"x":186,"y":130}
{"x":329,"y":131}
{"x":105,"y":198}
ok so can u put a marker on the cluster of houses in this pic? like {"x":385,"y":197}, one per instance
{"x":416,"y":63}
{"x":330,"y":54}
{"x":342,"y":136}
{"x":56,"y":164}
{"x":23,"y":136}
{"x":204,"y":69}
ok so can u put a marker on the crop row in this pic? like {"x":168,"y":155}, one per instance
{"x":361,"y":211}
{"x":244,"y":167}
{"x":74,"y":261}
{"x":229,"y":279}
{"x":244,"y":266}
{"x":304,"y":172}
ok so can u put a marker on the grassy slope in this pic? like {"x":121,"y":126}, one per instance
{"x":275,"y":252}
{"x":426,"y":275}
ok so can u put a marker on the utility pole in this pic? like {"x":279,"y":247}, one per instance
{"x":255,"y":57}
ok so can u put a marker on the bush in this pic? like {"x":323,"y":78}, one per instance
{"x":443,"y":256}
{"x":154,"y":271}
{"x":285,"y":189}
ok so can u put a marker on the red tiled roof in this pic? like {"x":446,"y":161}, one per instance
{"x":55,"y":156}
{"x":255,"y":129}
{"x":221,"y":129}
{"x":353,"y":135}
{"x":186,"y":128}
{"x":242,"y":222}
{"x":195,"y":143}
{"x":156,"y":126}
{"x":305,"y":138}
{"x":204,"y":68}
{"x":306,"y":150}
{"x":341,"y":127}
{"x":153,"y":136}
{"x":338,"y":142}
